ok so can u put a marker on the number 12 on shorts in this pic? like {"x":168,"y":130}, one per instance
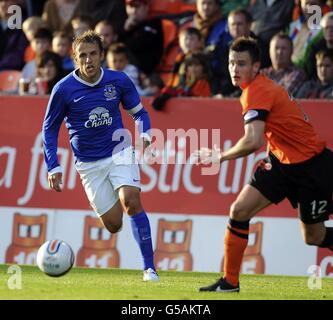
{"x":318,"y":207}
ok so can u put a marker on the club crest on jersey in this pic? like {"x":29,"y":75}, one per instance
{"x":98,"y":117}
{"x":110,"y":92}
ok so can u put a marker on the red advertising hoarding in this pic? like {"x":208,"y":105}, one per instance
{"x":169,"y":188}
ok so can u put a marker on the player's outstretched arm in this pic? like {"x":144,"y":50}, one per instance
{"x":252,"y":140}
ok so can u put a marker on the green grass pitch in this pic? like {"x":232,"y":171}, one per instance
{"x":121,"y":284}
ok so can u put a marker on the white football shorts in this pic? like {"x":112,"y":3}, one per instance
{"x":101,"y":179}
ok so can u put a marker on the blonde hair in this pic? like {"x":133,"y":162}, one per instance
{"x":34,"y":22}
{"x":89,"y":36}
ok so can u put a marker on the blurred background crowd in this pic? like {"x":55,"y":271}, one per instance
{"x":170,"y":48}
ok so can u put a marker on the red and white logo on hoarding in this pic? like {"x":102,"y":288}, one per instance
{"x":99,"y":247}
{"x":28,"y":235}
{"x":173,"y":245}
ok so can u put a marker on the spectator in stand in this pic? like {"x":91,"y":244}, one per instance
{"x":59,"y":13}
{"x":190,"y":41}
{"x":41,"y":42}
{"x":12,"y":40}
{"x":30,"y":27}
{"x":118,"y":59}
{"x":300,"y":32}
{"x":143,"y":36}
{"x":49,"y":70}
{"x":197,"y":76}
{"x":213,"y":27}
{"x":196,"y":82}
{"x":113,"y":11}
{"x":239,"y":25}
{"x":323,"y":41}
{"x":81,"y":24}
{"x":106,"y":31}
{"x":283,"y":71}
{"x":270,"y":17}
{"x":62,"y":45}
{"x":321,"y":88}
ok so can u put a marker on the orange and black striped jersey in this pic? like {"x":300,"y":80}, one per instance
{"x":291,"y":137}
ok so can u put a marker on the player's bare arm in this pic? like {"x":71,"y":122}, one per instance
{"x":252,"y":140}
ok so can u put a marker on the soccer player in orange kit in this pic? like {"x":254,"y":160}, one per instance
{"x":300,"y":167}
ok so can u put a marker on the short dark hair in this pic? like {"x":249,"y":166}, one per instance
{"x":248,"y":44}
{"x":105,"y":23}
{"x":198,"y":59}
{"x":325,"y":53}
{"x":245,"y":13}
{"x":85,"y":19}
{"x":47,"y":56}
{"x":217,"y":2}
{"x":191,"y":31}
{"x":41,"y":62}
{"x":282,"y":35}
{"x":89,"y":36}
{"x":62,"y":35}
{"x":119,"y":48}
{"x":43,"y":33}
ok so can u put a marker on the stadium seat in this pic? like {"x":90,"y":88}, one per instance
{"x":170,"y":49}
{"x":9,"y":80}
{"x":170,"y":33}
{"x":170,"y":7}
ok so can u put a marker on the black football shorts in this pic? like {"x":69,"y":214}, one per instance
{"x":307,"y":185}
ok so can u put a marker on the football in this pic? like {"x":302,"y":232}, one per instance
{"x":55,"y":258}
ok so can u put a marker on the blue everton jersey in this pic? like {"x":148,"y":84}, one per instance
{"x":91,"y":114}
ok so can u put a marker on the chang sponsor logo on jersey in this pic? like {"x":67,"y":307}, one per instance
{"x":98,"y":117}
{"x":110,"y":92}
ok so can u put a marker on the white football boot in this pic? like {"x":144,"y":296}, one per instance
{"x":150,"y":275}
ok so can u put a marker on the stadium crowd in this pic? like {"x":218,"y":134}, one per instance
{"x":171,"y":48}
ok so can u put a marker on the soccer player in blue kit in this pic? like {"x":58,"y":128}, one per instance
{"x":88,"y":101}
